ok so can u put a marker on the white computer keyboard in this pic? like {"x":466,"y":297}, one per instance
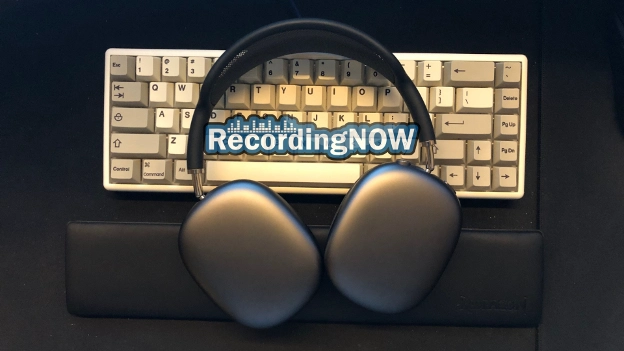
{"x":477,"y":104}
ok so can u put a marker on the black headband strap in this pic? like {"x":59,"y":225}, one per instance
{"x":296,"y":36}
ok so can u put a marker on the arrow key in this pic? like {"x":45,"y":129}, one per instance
{"x":478,"y":178}
{"x":479,"y":152}
{"x":453,"y":175}
{"x":504,"y":179}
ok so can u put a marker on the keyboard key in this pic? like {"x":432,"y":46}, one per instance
{"x":284,"y":173}
{"x":504,"y":178}
{"x":369,"y":118}
{"x":453,"y":175}
{"x":410,"y":68}
{"x":238,"y":97}
{"x":468,"y":126}
{"x":253,"y":76}
{"x":276,"y":71}
{"x":125,"y":171}
{"x":339,"y":98}
{"x":161,"y":94}
{"x":158,"y":171}
{"x":186,"y":94}
{"x":167,"y":120}
{"x":147,"y":69}
{"x":122,"y":68}
{"x":479,"y":152}
{"x":450,"y":151}
{"x":314,"y":98}
{"x":507,"y":101}
{"x":469,"y":74}
{"x":137,"y":120}
{"x":186,"y":116}
{"x":342,"y":118}
{"x":424,"y":94}
{"x":173,"y":69}
{"x":505,"y":126}
{"x":180,"y":174}
{"x":442,"y":99}
{"x":508,"y":74}
{"x":429,"y":73}
{"x":477,"y":178}
{"x":197,"y":69}
{"x":505,"y":153}
{"x":396,"y":118}
{"x":138,"y":145}
{"x":288,"y":97}
{"x":129,"y":94}
{"x":177,"y":145}
{"x":389,"y":100}
{"x":375,"y":78}
{"x":352,"y":73}
{"x":263,"y":96}
{"x":475,"y":100}
{"x":301,"y":72}
{"x":326,"y":72}
{"x":364,"y":99}
{"x":300,"y":116}
{"x":320,"y":119}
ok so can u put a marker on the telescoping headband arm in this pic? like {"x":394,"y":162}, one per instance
{"x":298,"y":36}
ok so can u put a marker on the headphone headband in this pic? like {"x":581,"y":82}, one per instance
{"x":296,"y":36}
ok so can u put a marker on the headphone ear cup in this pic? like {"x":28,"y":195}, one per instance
{"x":250,"y":252}
{"x":392,"y":237}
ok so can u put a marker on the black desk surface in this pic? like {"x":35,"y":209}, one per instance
{"x":51,"y":68}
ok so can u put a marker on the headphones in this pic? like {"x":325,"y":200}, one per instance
{"x":389,"y":242}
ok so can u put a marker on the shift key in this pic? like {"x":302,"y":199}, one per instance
{"x":468,"y":74}
{"x":138,"y":145}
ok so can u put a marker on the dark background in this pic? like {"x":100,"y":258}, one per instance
{"x":52,"y":74}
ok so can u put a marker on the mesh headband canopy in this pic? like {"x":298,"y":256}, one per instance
{"x":297,"y":36}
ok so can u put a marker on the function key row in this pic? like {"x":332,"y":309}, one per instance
{"x":319,"y":72}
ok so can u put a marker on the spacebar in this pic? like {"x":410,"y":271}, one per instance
{"x":286,"y":174}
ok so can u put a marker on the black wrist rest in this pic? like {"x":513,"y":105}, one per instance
{"x":134,"y":270}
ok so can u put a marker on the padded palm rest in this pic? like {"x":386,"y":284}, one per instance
{"x":134,"y":270}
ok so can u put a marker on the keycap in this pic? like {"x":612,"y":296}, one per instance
{"x":197,"y":68}
{"x":429,"y":73}
{"x":410,"y":68}
{"x":375,"y":78}
{"x":180,"y":173}
{"x":508,"y":74}
{"x":263,"y":96}
{"x":238,"y":96}
{"x":504,"y":178}
{"x":338,"y":98}
{"x":389,"y":100}
{"x":507,"y":101}
{"x":148,"y":69}
{"x":441,"y":99}
{"x":326,"y":72}
{"x":450,"y":151}
{"x":253,"y":76}
{"x":320,"y":119}
{"x":158,"y":171}
{"x":478,"y":178}
{"x":138,"y":145}
{"x":469,"y":74}
{"x":129,"y":94}
{"x":478,"y":152}
{"x":314,"y":98}
{"x":186,"y":116}
{"x":161,"y":94}
{"x":177,"y":145}
{"x":288,"y":97}
{"x":342,"y":118}
{"x":505,"y":126}
{"x":474,"y":100}
{"x":167,"y":120}
{"x":301,"y":72}
{"x":186,"y":94}
{"x":424,"y":94}
{"x":505,"y":153}
{"x":364,"y":98}
{"x":276,"y":71}
{"x":283,"y":173}
{"x":125,"y":171}
{"x":132,"y":120}
{"x":468,"y":126}
{"x":453,"y":175}
{"x":396,"y":117}
{"x":369,"y":117}
{"x":173,"y":69}
{"x":352,"y":73}
{"x":122,"y":68}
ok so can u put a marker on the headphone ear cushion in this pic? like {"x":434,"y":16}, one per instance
{"x":250,"y":252}
{"x":392,"y":237}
